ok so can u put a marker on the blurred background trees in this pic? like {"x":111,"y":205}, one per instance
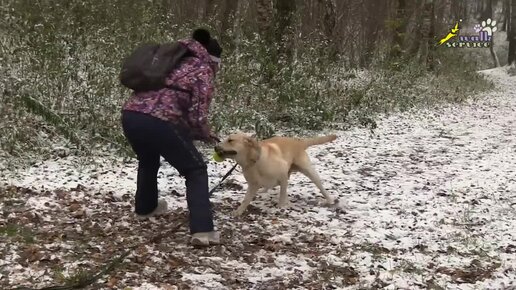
{"x":510,"y":27}
{"x":305,"y":64}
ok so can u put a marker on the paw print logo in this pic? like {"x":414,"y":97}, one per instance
{"x":489,"y":26}
{"x":477,"y":28}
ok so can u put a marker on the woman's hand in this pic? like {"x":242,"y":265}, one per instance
{"x":212,"y":139}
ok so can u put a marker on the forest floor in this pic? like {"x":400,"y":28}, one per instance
{"x":426,"y":201}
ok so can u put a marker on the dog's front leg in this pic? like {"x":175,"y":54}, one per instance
{"x":249,"y":196}
{"x":283,"y":198}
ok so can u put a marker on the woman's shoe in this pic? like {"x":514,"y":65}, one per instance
{"x":159,"y":210}
{"x":205,"y":239}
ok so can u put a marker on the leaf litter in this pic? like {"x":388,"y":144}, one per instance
{"x":428,"y":201}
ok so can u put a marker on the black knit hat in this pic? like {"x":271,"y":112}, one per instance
{"x":211,"y":44}
{"x":214,"y":48}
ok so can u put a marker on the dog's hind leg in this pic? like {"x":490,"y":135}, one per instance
{"x":283,"y":197}
{"x":314,"y":177}
{"x":306,"y":168}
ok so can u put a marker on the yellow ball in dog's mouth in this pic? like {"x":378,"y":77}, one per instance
{"x":217,"y":157}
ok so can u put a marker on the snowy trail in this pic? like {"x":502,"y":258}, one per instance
{"x":429,"y":200}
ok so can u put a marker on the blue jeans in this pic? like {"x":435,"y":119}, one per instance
{"x":151,"y":138}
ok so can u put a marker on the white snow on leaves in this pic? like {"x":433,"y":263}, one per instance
{"x":429,"y":191}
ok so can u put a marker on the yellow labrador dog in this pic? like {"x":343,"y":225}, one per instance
{"x":270,"y":162}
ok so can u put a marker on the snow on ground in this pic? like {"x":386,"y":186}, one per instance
{"x":426,"y":202}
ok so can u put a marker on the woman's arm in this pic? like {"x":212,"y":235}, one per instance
{"x":202,"y":92}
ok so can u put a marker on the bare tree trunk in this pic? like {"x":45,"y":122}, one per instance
{"x":496,"y":61}
{"x":398,"y":37}
{"x":479,"y":9}
{"x":431,"y":36}
{"x":439,"y":14}
{"x":330,"y":17}
{"x":512,"y":39}
{"x":228,"y":18}
{"x":428,"y":30}
{"x":264,"y":20}
{"x":264,"y":16}
{"x":505,"y":12}
{"x":284,"y":12}
{"x":465,"y":14}
{"x":209,"y":8}
{"x":488,"y":13}
{"x":418,"y":30}
{"x":372,"y":24}
{"x":329,"y":24}
{"x":508,"y":16}
{"x":487,"y":9}
{"x":459,"y":9}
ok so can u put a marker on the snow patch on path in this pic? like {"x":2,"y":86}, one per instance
{"x":428,"y":199}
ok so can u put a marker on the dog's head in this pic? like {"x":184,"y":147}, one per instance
{"x":239,"y":147}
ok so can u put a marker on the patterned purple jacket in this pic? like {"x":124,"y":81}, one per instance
{"x":195,"y":74}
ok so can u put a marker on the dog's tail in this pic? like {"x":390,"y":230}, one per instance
{"x":319,"y":140}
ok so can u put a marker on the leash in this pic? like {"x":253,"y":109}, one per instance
{"x":222,"y":180}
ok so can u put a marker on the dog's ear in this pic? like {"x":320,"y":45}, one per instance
{"x":254,"y":149}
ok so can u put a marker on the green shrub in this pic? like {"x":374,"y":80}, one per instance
{"x":60,"y":62}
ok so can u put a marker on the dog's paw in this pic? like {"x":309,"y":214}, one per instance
{"x":284,"y":204}
{"x":238,"y":212}
{"x":331,"y":201}
{"x":335,"y":203}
